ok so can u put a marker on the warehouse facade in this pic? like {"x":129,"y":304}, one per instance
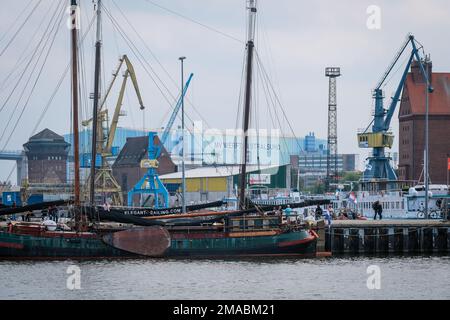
{"x":412,"y":126}
{"x":206,"y":184}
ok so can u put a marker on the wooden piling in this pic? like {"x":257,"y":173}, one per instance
{"x":359,"y":237}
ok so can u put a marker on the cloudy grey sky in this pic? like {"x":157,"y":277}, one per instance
{"x":296,"y":41}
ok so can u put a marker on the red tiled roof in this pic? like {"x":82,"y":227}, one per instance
{"x":439,"y":100}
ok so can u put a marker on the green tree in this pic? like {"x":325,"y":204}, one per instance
{"x":351,"y":177}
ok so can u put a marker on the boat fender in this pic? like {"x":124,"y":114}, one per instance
{"x":10,"y":227}
{"x":313,"y":233}
{"x":50,"y":225}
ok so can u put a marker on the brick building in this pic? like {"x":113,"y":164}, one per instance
{"x":127,"y":167}
{"x":47,"y":158}
{"x":412,"y":126}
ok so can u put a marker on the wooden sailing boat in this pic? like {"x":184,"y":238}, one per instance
{"x":241,"y":232}
{"x":33,"y":240}
{"x":246,"y":232}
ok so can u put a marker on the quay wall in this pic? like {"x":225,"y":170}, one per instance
{"x":359,"y":237}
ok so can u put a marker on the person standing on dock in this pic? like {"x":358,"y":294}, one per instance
{"x":318,"y":212}
{"x":287,"y":212}
{"x":331,"y":212}
{"x":378,"y":209}
{"x":328,"y":216}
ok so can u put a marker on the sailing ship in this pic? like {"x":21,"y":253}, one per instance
{"x":249,"y":231}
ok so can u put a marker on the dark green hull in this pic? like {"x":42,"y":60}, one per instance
{"x":298,"y":243}
{"x":30,"y":246}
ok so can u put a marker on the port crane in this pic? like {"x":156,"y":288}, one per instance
{"x":150,"y":182}
{"x":379,"y":167}
{"x":105,"y":182}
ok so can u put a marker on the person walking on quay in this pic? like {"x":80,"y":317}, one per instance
{"x":331,"y":211}
{"x":378,"y":209}
{"x":287,"y":213}
{"x":328,"y":216}
{"x":319,"y":212}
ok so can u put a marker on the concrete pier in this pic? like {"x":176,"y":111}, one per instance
{"x":360,"y":237}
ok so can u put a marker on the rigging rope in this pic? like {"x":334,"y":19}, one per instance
{"x":139,"y":56}
{"x":277,"y":99}
{"x":22,"y":58}
{"x":57,"y":26}
{"x":15,"y":21}
{"x":270,"y":101}
{"x":35,"y":51}
{"x":61,"y":79}
{"x":159,"y":63}
{"x":20,"y":28}
{"x":59,"y":82}
{"x":196,"y":22}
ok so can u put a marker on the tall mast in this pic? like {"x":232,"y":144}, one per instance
{"x":183,"y":168}
{"x":76,"y":149}
{"x":98,"y":45}
{"x":426,"y":151}
{"x":248,"y":96}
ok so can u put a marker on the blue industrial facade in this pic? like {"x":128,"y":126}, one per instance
{"x":211,"y":148}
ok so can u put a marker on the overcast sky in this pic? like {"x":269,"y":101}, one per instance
{"x":296,"y":41}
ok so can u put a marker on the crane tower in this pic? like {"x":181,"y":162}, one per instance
{"x":332,"y":156}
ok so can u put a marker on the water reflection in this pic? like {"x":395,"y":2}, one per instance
{"x":327,"y":278}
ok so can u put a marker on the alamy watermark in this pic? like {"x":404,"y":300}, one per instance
{"x":73,"y":281}
{"x":374,"y":279}
{"x":374,"y":19}
{"x":224,"y":147}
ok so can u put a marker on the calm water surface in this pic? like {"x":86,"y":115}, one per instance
{"x":333,"y":278}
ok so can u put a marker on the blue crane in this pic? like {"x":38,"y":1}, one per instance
{"x":150,"y":182}
{"x":379,"y":167}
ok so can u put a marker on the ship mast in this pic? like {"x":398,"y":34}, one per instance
{"x":98,"y":45}
{"x":248,"y":95}
{"x":76,"y":149}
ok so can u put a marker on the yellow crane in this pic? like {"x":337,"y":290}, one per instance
{"x":105,"y":183}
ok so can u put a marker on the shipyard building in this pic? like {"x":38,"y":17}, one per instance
{"x":412,"y":126}
{"x":309,"y":167}
{"x":215,"y":183}
{"x":47,"y":154}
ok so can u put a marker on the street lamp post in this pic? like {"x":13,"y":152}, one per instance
{"x":183,"y":179}
{"x":426,"y":153}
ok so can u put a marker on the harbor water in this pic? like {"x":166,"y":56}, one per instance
{"x":326,"y":278}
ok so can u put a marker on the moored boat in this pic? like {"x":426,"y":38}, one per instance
{"x":34,"y":241}
{"x":249,"y":231}
{"x":237,"y":236}
{"x":243,"y":236}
